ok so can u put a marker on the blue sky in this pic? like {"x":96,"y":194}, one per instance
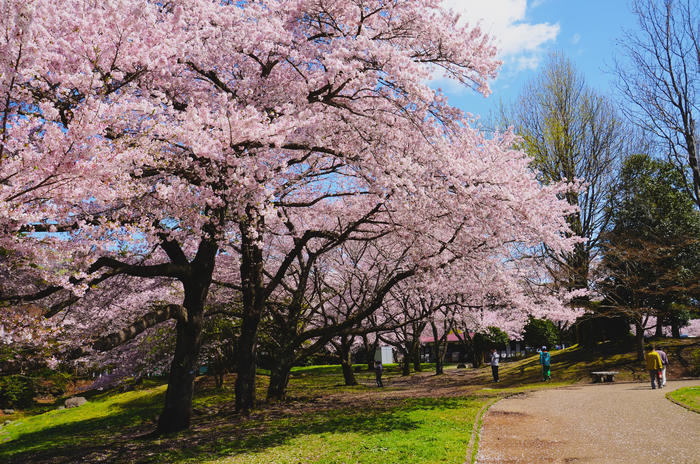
{"x":585,"y":30}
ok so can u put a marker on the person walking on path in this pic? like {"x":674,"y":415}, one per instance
{"x":654,"y":366}
{"x":378,"y":370}
{"x":545,"y":360}
{"x":664,"y":363}
{"x":494,"y":364}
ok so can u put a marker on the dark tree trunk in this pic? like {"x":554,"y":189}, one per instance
{"x":659,"y":327}
{"x":219,"y":372}
{"x":178,"y":398}
{"x":437,"y":351}
{"x":253,"y":299}
{"x":177,"y":411}
{"x":639,"y":337}
{"x":348,"y":373}
{"x":443,"y":353}
{"x":284,"y":356}
{"x":346,"y":361}
{"x":439,"y":369}
{"x":279,"y":379}
{"x":415,"y":354}
{"x":478,"y":358}
{"x":675,"y":329}
{"x":479,"y":345}
{"x":217,"y":368}
{"x":416,"y":364}
{"x":406,"y":365}
{"x":245,"y":379}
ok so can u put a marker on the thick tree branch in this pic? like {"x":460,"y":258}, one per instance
{"x":155,"y":270}
{"x":158,"y":315}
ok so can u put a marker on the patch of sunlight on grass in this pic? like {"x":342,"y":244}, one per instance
{"x":103,"y":415}
{"x":688,"y":397}
{"x":421,"y":430}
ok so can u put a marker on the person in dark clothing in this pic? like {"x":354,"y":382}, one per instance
{"x":378,"y":370}
{"x":494,"y":364}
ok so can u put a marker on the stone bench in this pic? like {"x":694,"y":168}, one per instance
{"x":604,"y":376}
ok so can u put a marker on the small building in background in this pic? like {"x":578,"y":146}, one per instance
{"x":384,"y":354}
{"x":457,"y":351}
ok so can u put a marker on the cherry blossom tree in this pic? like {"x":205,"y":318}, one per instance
{"x":328,"y":299}
{"x":164,"y":140}
{"x":405,"y":306}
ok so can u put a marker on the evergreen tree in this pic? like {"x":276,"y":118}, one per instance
{"x":651,"y":257}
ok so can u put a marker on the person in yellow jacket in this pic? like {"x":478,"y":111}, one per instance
{"x":654,"y":366}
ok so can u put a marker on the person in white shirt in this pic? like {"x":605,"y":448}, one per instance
{"x":494,"y":364}
{"x":664,"y":362}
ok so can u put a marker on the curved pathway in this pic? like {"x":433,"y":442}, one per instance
{"x":599,"y":423}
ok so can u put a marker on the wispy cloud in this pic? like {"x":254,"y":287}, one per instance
{"x":527,"y":62}
{"x":520,"y":42}
{"x":576,"y":38}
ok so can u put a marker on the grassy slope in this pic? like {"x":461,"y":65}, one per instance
{"x":574,"y":364}
{"x":367,"y":426}
{"x":93,"y":422}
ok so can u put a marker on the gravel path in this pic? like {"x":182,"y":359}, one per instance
{"x":602,"y":423}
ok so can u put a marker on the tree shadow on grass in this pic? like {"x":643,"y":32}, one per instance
{"x":111,"y":439}
{"x":226,"y":438}
{"x":67,"y":442}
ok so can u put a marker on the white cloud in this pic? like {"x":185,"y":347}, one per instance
{"x":505,"y":20}
{"x":527,"y":62}
{"x":576,"y":38}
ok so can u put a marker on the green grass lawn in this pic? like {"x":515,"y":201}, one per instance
{"x":688,"y":397}
{"x":422,"y":430}
{"x":83,"y":426}
{"x":369,"y":429}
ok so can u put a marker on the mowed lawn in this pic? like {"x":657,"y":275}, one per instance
{"x":688,"y":397}
{"x":323,"y":422}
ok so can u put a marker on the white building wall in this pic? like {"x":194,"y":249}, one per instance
{"x":384,"y":354}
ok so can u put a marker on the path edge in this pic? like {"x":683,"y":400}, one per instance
{"x":683,"y":405}
{"x":472,"y":450}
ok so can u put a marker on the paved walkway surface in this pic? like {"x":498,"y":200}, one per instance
{"x":599,"y":423}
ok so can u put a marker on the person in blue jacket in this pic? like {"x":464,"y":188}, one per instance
{"x":545,"y":360}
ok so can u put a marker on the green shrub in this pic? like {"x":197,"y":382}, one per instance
{"x":540,"y":332}
{"x":16,"y":391}
{"x":53,"y":383}
{"x":695,"y":363}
